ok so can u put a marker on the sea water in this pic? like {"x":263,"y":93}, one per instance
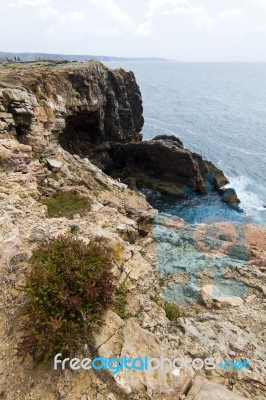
{"x":219,"y":111}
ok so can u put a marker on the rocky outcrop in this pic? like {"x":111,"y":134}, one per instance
{"x":129,"y":339}
{"x":202,"y":389}
{"x":162,"y":164}
{"x":95,"y":112}
{"x":78,"y":106}
{"x":229,"y":196}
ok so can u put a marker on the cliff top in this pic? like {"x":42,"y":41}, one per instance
{"x":22,"y":65}
{"x":12,"y":73}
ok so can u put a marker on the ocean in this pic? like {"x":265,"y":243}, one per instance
{"x":219,"y":111}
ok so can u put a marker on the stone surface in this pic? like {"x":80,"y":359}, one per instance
{"x":54,"y":165}
{"x":229,"y":196}
{"x":151,"y":252}
{"x":129,"y":339}
{"x":214,"y":296}
{"x":161,"y":164}
{"x":202,"y":390}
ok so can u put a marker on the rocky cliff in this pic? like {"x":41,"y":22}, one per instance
{"x":50,"y":109}
{"x":78,"y":106}
{"x":97,"y":113}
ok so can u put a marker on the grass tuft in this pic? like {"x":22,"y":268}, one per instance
{"x":172,"y":311}
{"x":66,"y":204}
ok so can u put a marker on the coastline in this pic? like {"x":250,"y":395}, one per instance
{"x":39,"y":106}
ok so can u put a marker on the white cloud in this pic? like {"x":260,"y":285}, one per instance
{"x":114,"y":12}
{"x":144,"y":29}
{"x":45,"y":8}
{"x":98,"y":18}
{"x":230,"y":22}
{"x":261,"y":29}
{"x":232,"y":14}
{"x":199,"y":14}
{"x":259,"y":3}
{"x":248,"y":19}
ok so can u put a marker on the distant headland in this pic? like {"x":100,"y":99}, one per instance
{"x":60,"y":57}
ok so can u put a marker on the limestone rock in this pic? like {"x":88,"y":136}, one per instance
{"x":212,"y":296}
{"x":54,"y":165}
{"x":129,"y":339}
{"x":203,"y":389}
{"x":14,"y":156}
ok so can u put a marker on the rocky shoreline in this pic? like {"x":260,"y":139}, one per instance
{"x":97,"y":113}
{"x":78,"y":128}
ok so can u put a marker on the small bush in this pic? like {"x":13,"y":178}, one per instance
{"x":172,"y":311}
{"x":68,"y":289}
{"x":66,"y":204}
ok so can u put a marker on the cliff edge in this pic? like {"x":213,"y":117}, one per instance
{"x":97,"y":113}
{"x":50,"y":112}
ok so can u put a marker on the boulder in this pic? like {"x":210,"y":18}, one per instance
{"x":54,"y":165}
{"x":161,"y":164}
{"x":212,"y":296}
{"x":203,"y":389}
{"x":118,"y":338}
{"x":229,"y":196}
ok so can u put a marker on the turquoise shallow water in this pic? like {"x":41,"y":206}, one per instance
{"x":219,"y":111}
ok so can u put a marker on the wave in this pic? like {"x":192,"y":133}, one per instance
{"x":251,"y":201}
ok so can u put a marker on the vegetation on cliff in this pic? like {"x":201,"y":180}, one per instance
{"x":68,"y":288}
{"x":66,"y":204}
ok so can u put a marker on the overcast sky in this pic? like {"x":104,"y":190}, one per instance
{"x":186,"y":30}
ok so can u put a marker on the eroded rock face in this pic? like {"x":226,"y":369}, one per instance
{"x":96,"y":112}
{"x":79,"y":106}
{"x":162,"y":164}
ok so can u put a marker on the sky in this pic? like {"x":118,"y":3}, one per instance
{"x":184,"y":30}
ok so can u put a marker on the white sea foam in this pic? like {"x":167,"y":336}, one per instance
{"x":251,"y":202}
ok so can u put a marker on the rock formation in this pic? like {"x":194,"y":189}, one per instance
{"x":97,"y":113}
{"x":88,"y":109}
{"x":77,"y":106}
{"x":162,"y":164}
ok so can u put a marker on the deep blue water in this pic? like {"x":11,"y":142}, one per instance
{"x":219,"y":111}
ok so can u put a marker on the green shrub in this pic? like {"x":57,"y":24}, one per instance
{"x":172,"y":311}
{"x":66,"y":204}
{"x":69,"y":287}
